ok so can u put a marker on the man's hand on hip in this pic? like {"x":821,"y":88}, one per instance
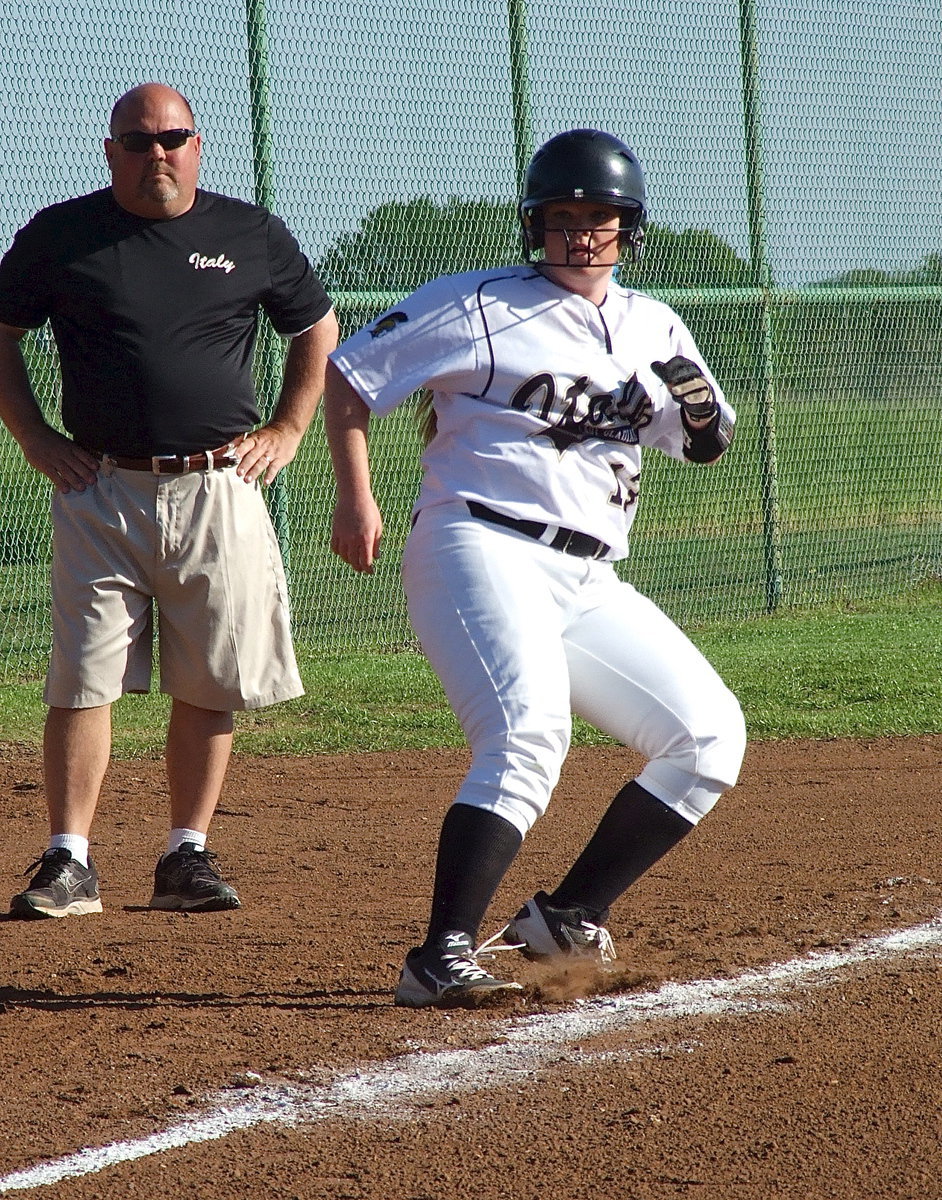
{"x":265,"y":452}
{"x":62,"y":460}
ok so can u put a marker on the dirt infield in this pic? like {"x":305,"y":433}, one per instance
{"x":750,"y":1044}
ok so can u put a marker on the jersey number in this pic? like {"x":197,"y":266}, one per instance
{"x":626,"y":487}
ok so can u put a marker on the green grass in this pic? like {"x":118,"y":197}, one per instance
{"x":868,"y":670}
{"x":858,"y":519}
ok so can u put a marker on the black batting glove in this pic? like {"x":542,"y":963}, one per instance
{"x":686,"y":383}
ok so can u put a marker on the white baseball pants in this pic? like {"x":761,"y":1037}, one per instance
{"x":521,"y":636}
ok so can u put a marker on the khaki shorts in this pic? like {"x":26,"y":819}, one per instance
{"x":201,"y":548}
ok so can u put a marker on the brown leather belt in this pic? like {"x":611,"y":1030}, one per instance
{"x":176,"y":464}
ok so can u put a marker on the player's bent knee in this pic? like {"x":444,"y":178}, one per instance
{"x":691,"y":775}
{"x":691,"y":796}
{"x":514,"y":774}
{"x":720,"y":758}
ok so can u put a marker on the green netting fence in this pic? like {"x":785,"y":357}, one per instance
{"x":796,"y":226}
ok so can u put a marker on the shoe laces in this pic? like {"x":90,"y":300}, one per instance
{"x":462,"y":963}
{"x":198,"y":863}
{"x":589,"y":934}
{"x":594,"y":935}
{"x":464,"y":967}
{"x":50,"y":864}
{"x":598,"y":936}
{"x":495,"y":944}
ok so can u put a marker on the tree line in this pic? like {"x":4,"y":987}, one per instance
{"x":880,"y":345}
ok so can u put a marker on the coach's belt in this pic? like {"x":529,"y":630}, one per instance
{"x":570,"y":541}
{"x":176,"y":464}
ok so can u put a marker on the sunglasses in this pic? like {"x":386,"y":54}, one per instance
{"x":137,"y":142}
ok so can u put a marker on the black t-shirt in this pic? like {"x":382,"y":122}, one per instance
{"x":155,"y":321}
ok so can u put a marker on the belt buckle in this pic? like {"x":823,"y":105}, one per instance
{"x":227,"y":455}
{"x":582,"y":545}
{"x":157,"y":459}
{"x":566,"y":541}
{"x":560,"y":539}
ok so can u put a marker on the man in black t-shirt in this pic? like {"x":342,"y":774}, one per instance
{"x":153,"y":288}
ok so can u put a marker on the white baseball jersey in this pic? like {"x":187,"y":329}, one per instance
{"x":543,"y":399}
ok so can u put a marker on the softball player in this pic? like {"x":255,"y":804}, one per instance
{"x":545,"y":382}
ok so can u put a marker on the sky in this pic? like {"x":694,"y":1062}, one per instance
{"x":370,"y":104}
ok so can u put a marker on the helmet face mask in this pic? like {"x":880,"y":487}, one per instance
{"x":630,"y":233}
{"x":584,"y":164}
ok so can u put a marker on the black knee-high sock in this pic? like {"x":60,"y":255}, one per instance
{"x":633,"y":834}
{"x":475,"y":849}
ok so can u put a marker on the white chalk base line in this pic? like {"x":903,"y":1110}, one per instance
{"x":401,"y":1086}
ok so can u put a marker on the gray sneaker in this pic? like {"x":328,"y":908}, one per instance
{"x":61,"y":887}
{"x":447,"y":974}
{"x":541,"y":931}
{"x":189,"y":881}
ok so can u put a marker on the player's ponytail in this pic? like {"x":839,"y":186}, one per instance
{"x":425,"y":417}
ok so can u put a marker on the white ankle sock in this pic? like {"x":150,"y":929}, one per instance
{"x":76,"y":846}
{"x":178,"y":836}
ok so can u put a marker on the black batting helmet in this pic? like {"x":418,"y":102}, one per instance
{"x":584,"y":164}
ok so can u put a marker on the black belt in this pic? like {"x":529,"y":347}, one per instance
{"x":570,"y":541}
{"x":175,"y":464}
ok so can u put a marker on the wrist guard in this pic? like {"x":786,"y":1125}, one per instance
{"x":706,"y":444}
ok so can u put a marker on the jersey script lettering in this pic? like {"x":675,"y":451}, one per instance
{"x":579,"y":414}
